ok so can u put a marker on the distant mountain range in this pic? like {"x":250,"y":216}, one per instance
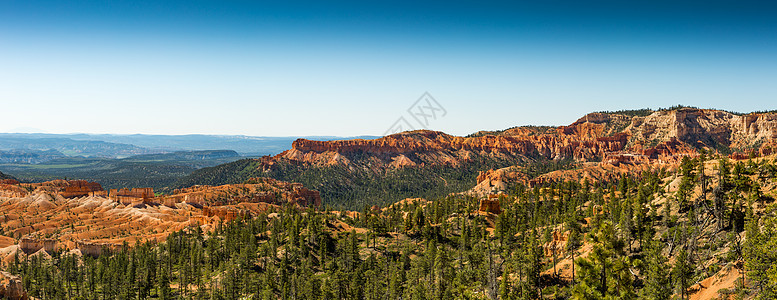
{"x":25,"y":156}
{"x":119,"y":146}
{"x":118,"y":161}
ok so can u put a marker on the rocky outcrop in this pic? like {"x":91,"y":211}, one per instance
{"x":96,"y":249}
{"x":95,"y":224}
{"x":490,"y":204}
{"x":64,"y":188}
{"x":9,"y":181}
{"x":12,"y":191}
{"x":31,"y":245}
{"x":11,"y":287}
{"x":557,"y":245}
{"x":671,"y":149}
{"x":704,"y":128}
{"x":616,"y":142}
{"x":80,"y":188}
{"x":302,"y":197}
{"x":401,"y":160}
{"x":226,"y":214}
{"x":432,"y":147}
{"x":494,"y":181}
{"x":134,"y":196}
{"x":266,"y":190}
{"x":595,"y":125}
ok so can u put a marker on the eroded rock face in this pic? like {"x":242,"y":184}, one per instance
{"x":490,"y":205}
{"x":225,"y":214}
{"x":624,"y":142}
{"x":704,"y":128}
{"x":265,"y":190}
{"x":11,"y":287}
{"x":132,"y":196}
{"x":95,"y":249}
{"x":64,"y":188}
{"x":96,"y":222}
{"x":12,"y":190}
{"x":494,"y":181}
{"x":431,"y":147}
{"x":557,"y":245}
{"x":31,"y":245}
{"x":80,"y":188}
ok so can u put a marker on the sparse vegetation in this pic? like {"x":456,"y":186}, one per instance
{"x":343,"y":187}
{"x":630,"y":112}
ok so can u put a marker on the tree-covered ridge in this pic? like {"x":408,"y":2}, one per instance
{"x":352,"y":188}
{"x":528,"y":130}
{"x":652,"y":236}
{"x":4,"y":176}
{"x":634,"y":112}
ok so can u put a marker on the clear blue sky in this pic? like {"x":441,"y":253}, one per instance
{"x":282,"y":68}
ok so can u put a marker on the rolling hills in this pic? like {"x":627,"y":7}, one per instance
{"x":157,"y":171}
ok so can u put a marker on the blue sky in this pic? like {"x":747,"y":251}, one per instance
{"x":283,"y":68}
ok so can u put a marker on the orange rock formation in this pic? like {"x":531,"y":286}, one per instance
{"x":95,"y":222}
{"x":96,"y":249}
{"x":490,"y":205}
{"x":265,"y":190}
{"x":132,"y":197}
{"x":80,"y":188}
{"x":64,"y":188}
{"x":557,"y":244}
{"x":32,"y":245}
{"x":444,"y":148}
{"x":9,"y":181}
{"x":224,"y":213}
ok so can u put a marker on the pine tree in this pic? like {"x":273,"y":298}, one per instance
{"x":605,"y":273}
{"x":683,"y":272}
{"x":504,"y":285}
{"x":657,"y":275}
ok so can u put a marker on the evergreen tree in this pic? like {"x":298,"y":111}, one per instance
{"x":657,"y":275}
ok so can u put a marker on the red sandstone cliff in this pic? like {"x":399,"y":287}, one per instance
{"x":662,"y":135}
{"x":432,"y":147}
